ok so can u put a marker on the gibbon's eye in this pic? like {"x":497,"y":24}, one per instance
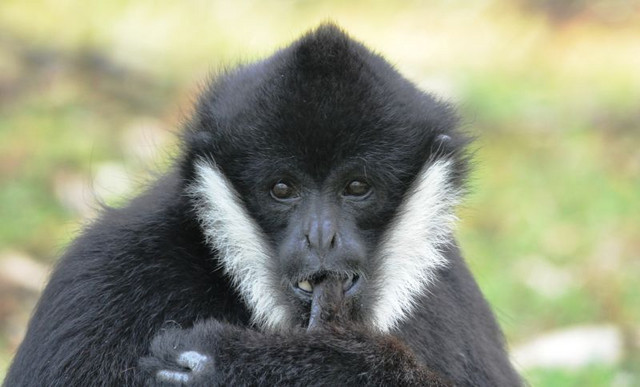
{"x":283,"y":191}
{"x":357,"y":188}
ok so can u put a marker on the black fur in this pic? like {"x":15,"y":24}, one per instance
{"x":336,"y":357}
{"x":323,"y":106}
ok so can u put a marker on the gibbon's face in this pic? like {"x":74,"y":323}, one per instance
{"x":326,"y":184}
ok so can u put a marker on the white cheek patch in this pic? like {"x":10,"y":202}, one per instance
{"x":242,"y":248}
{"x":411,"y":251}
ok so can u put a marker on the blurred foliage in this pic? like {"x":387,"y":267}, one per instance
{"x":91,"y":94}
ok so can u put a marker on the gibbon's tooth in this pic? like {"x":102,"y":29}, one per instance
{"x":305,"y":285}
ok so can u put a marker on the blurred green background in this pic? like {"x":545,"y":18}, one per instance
{"x":92,"y":94}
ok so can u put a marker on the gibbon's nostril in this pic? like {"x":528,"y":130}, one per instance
{"x":306,"y":238}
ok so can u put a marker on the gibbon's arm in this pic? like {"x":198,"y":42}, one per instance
{"x":213,"y":353}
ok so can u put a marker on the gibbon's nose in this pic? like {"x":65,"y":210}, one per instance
{"x":321,"y":235}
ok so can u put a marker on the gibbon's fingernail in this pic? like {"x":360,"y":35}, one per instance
{"x":315,"y":314}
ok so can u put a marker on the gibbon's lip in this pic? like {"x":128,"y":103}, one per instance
{"x":349,"y":283}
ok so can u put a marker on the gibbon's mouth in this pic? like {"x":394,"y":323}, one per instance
{"x":326,"y":294}
{"x":349,"y":283}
